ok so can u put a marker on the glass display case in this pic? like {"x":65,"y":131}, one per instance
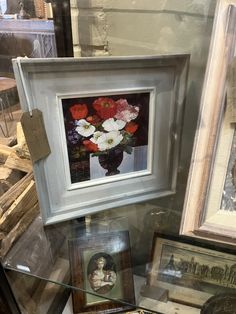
{"x":93,"y":186}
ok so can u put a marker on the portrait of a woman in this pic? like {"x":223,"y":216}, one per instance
{"x":101,"y":273}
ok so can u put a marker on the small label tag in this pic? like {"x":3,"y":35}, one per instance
{"x":35,"y":135}
{"x":231,"y":92}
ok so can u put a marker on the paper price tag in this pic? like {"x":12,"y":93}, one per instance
{"x":35,"y":135}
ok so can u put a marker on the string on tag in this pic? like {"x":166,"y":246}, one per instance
{"x":33,"y":125}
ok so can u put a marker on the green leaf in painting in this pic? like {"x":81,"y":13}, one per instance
{"x":128,"y":149}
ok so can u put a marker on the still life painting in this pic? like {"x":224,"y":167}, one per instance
{"x":113,"y":125}
{"x":106,"y":135}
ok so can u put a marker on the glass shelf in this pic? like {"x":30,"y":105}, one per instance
{"x":42,"y":255}
{"x":40,"y":271}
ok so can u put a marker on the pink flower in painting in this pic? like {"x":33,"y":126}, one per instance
{"x":125,"y":111}
{"x":105,"y":107}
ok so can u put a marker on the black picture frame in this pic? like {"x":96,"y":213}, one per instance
{"x":191,"y":271}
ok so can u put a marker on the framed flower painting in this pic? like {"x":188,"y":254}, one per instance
{"x":113,"y":127}
{"x":106,"y":135}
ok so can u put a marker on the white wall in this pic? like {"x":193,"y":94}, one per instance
{"x":134,"y":27}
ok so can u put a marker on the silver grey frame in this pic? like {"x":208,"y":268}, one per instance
{"x":47,"y":80}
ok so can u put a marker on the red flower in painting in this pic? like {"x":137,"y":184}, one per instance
{"x":105,"y":107}
{"x":131,"y":127}
{"x":93,"y":119}
{"x":79,"y":111}
{"x":90,"y":146}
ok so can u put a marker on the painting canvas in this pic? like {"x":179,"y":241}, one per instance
{"x":106,"y":135}
{"x":101,"y":267}
{"x":189,"y":272}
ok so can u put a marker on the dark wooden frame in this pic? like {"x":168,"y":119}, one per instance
{"x":218,"y":249}
{"x":101,"y":242}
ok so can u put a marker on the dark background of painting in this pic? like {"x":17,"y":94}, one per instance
{"x":80,"y":169}
{"x":140,"y":100}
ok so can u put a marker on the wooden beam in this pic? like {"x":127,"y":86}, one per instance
{"x":18,"y":208}
{"x":13,"y":193}
{"x":18,"y":229}
{"x":14,"y":162}
{"x":5,"y":151}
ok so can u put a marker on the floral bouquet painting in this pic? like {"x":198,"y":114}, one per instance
{"x":105,"y":127}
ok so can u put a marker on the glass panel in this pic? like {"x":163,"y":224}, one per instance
{"x":118,"y":261}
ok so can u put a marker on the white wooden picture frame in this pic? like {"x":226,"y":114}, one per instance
{"x":204,"y":215}
{"x":51,"y":85}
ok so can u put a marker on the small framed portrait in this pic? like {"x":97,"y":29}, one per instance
{"x":190,"y":272}
{"x":101,"y":268}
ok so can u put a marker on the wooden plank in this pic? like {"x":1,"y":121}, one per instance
{"x":19,"y":207}
{"x":5,"y":173}
{"x":8,"y":141}
{"x":14,"y":162}
{"x":8,"y":177}
{"x":20,"y":134}
{"x":5,"y":151}
{"x":8,"y":198}
{"x":2,"y":236}
{"x":4,"y":187}
{"x":18,"y":229}
{"x":21,"y":148}
{"x":22,"y":151}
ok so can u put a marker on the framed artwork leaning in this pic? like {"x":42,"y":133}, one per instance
{"x":101,"y":268}
{"x":190,"y":272}
{"x":210,"y":200}
{"x":105,"y":120}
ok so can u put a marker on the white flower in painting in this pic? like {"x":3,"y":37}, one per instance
{"x":109,"y":140}
{"x":84,"y":128}
{"x":113,"y":125}
{"x":96,"y":136}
